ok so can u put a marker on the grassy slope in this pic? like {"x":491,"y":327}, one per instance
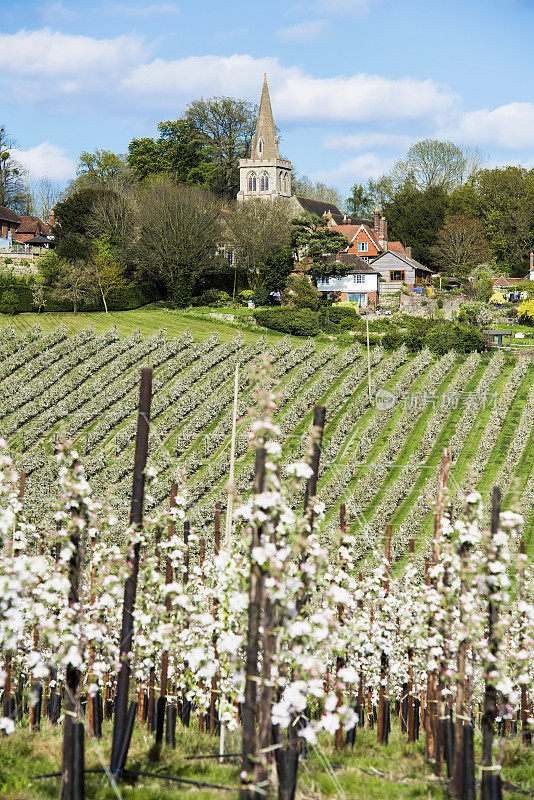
{"x":393,"y":772}
{"x":147,"y":319}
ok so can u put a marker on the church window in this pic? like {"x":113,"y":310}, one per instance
{"x":264,"y":186}
{"x":260,"y":146}
{"x":279,"y":181}
{"x":285,"y":182}
{"x":252,"y":182}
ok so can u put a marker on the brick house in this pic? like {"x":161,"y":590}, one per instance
{"x":9,"y":222}
{"x":30,"y":227}
{"x":360,"y":284}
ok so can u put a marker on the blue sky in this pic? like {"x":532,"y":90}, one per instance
{"x":353,"y":82}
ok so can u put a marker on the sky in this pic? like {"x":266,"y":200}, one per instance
{"x":353,"y":83}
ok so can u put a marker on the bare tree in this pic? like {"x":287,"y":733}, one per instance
{"x":177,"y":233}
{"x":316,"y":190}
{"x":75,"y":284}
{"x":256,"y":229}
{"x":13,"y":193}
{"x":46,"y":194}
{"x":461,"y":246}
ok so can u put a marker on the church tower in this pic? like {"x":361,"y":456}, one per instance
{"x":264,"y":174}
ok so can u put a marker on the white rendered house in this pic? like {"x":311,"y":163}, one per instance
{"x":360,"y":284}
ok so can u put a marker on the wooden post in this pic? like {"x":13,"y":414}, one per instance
{"x":248,"y":715}
{"x":168,"y":608}
{"x":526,"y":735}
{"x":72,"y":678}
{"x":381,"y":732}
{"x":216,"y":550}
{"x":229,"y":508}
{"x":368,"y":363}
{"x":339,"y":661}
{"x":130,"y":586}
{"x":490,"y":694}
{"x":15,"y":550}
{"x":409,"y":699}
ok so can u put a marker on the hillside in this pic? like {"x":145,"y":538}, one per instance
{"x":380,"y":458}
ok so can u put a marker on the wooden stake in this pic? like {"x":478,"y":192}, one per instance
{"x":368,"y":362}
{"x":230,"y":506}
{"x":130,"y":586}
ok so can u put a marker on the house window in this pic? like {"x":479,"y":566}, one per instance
{"x":252,"y":182}
{"x":363,"y":247}
{"x":397,"y":275}
{"x":360,"y":278}
{"x":264,"y":182}
{"x":230,"y":256}
{"x":357,"y":297}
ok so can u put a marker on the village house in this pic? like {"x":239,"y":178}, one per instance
{"x":360,"y":284}
{"x":9,"y":222}
{"x":397,"y":270}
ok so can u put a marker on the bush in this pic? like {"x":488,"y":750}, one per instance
{"x":462,"y":338}
{"x":439,"y":303}
{"x":374,"y":338}
{"x":245,"y":296}
{"x":526,"y":312}
{"x":261,"y":296}
{"x":393,"y":339}
{"x":299,"y":322}
{"x":300,"y":293}
{"x":9,"y":302}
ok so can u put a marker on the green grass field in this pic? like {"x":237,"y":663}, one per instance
{"x":368,"y":771}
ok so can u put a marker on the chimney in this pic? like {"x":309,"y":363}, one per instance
{"x":383,"y":233}
{"x":52,"y":219}
{"x":408,"y":251}
{"x":376,"y":221}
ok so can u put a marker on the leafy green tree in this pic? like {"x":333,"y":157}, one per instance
{"x":277,"y":268}
{"x":415,"y":218}
{"x":49,"y":267}
{"x":74,"y":228}
{"x":108,"y":270}
{"x":313,"y":241}
{"x":360,"y":202}
{"x":432,"y":163}
{"x":506,"y":209}
{"x":100,"y":169}
{"x":179,"y":151}
{"x":226,"y":126}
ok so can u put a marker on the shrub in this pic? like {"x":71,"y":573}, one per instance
{"x":9,"y":302}
{"x":299,"y":322}
{"x":393,"y":339}
{"x":374,"y":338}
{"x":439,"y":303}
{"x":526,"y":312}
{"x":300,"y":293}
{"x":261,"y":296}
{"x":245,"y":296}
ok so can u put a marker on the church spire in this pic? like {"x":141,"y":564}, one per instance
{"x":265,"y":141}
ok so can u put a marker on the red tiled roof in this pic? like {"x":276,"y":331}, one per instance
{"x":7,"y":214}
{"x":505,"y":280}
{"x":350,"y":232}
{"x":397,"y":247}
{"x":31,"y":224}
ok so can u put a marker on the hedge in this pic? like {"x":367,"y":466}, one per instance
{"x":299,"y":322}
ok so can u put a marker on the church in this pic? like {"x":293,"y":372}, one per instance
{"x":266,"y":176}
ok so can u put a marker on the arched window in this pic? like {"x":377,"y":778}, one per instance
{"x":252,"y":182}
{"x":285,"y":182}
{"x":279,"y":181}
{"x":264,"y":182}
{"x":260,"y":146}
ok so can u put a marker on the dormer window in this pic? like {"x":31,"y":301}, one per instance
{"x":260,"y":146}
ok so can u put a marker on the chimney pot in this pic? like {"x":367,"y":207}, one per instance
{"x":408,"y":251}
{"x":52,"y":219}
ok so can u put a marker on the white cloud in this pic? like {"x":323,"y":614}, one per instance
{"x":359,"y":170}
{"x":303,"y":31}
{"x":510,"y":126}
{"x":363,"y":141}
{"x":295,"y":95}
{"x":46,"y":160}
{"x":143,"y":11}
{"x":56,"y":12}
{"x":51,"y":54}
